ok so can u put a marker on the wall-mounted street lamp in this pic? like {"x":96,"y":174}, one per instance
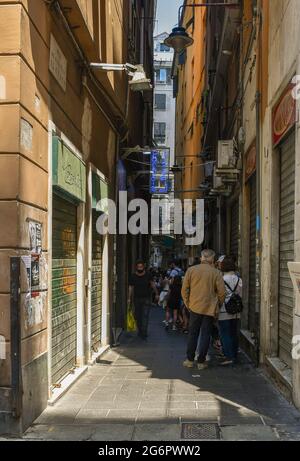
{"x":138,"y":82}
{"x":179,"y":39}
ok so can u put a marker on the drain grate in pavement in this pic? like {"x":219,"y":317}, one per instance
{"x":200,"y":431}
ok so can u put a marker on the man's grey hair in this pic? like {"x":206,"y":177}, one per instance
{"x":208,"y":255}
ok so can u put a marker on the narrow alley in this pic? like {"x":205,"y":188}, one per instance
{"x":149,"y":166}
{"x":140,"y":391}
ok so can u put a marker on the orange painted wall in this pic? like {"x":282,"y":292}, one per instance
{"x":189,"y":113}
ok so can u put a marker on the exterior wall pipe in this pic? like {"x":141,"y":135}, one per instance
{"x":258,"y":227}
{"x":258,"y":189}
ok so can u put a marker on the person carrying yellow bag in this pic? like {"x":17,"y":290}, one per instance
{"x":131,"y":323}
{"x":140,"y":291}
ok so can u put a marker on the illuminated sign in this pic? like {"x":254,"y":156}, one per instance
{"x":159,"y":177}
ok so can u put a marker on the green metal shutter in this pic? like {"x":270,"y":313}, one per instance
{"x":287,"y":248}
{"x":252,"y":257}
{"x":234,"y":234}
{"x":64,"y":288}
{"x":96,"y":308}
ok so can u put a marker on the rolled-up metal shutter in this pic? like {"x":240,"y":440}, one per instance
{"x":287,"y":248}
{"x":252,"y":257}
{"x":234,"y":234}
{"x":64,"y":289}
{"x":96,"y":308}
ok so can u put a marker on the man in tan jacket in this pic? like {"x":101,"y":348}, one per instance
{"x":203,"y":293}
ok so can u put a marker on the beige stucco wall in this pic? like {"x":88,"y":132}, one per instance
{"x":284,"y":62}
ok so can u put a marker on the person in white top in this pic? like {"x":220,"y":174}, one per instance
{"x":229,"y":324}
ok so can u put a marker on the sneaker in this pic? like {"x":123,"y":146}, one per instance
{"x":174,"y":328}
{"x":202,"y":366}
{"x":188,"y":364}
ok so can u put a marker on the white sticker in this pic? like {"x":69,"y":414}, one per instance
{"x":2,"y":348}
{"x":26,"y":134}
{"x":2,"y":87}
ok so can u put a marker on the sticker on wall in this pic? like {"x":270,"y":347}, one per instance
{"x":27,"y":263}
{"x":35,"y":235}
{"x":35,"y":275}
{"x":35,"y":310}
{"x":2,"y":87}
{"x":26,"y":134}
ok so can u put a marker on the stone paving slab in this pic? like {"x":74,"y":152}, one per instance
{"x":249,"y":433}
{"x":153,"y":432}
{"x":140,"y":391}
{"x":288,"y":433}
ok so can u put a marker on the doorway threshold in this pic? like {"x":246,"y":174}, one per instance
{"x":66,"y":384}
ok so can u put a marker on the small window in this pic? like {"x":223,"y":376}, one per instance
{"x":160,"y":132}
{"x":163,"y":76}
{"x":160,"y":102}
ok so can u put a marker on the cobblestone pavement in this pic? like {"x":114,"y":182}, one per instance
{"x":140,"y":391}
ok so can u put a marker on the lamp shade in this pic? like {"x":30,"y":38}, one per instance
{"x":179,"y":39}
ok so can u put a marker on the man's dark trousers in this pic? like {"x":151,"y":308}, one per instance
{"x":203,"y":323}
{"x":142,"y":308}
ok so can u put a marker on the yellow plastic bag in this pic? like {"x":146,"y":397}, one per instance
{"x":131,"y":323}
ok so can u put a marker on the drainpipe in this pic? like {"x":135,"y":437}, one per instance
{"x":258,"y":227}
{"x":258,"y":195}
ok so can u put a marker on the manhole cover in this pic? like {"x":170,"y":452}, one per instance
{"x":200,"y":431}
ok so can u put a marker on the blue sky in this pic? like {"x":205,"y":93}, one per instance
{"x":167,"y":12}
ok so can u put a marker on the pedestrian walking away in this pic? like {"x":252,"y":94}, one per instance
{"x":229,"y":323}
{"x":175,"y":300}
{"x":203,"y":293}
{"x":141,"y":286}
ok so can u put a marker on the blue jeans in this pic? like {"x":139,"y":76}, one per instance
{"x":229,"y":333}
{"x":142,"y":307}
{"x":198,"y":323}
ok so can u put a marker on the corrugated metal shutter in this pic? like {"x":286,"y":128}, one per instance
{"x":64,"y":290}
{"x":96,"y":308}
{"x":252,"y":257}
{"x":234,"y":234}
{"x":287,"y":248}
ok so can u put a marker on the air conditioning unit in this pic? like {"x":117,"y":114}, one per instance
{"x":219,"y":187}
{"x":226,"y":156}
{"x":227,"y":161}
{"x":217,"y":181}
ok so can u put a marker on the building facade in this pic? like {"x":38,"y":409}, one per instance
{"x":164,"y":136}
{"x":63,"y":127}
{"x":189,"y":77}
{"x":252,"y":194}
{"x":164,"y":104}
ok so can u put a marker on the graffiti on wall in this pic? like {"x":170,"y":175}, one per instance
{"x":36,"y":271}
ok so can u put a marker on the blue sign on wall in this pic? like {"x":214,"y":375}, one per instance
{"x":159,"y":177}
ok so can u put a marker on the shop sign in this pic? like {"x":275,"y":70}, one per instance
{"x":250,"y":162}
{"x":69,"y":173}
{"x":284,"y":114}
{"x":159,"y":177}
{"x":100,"y":194}
{"x":58,"y":64}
